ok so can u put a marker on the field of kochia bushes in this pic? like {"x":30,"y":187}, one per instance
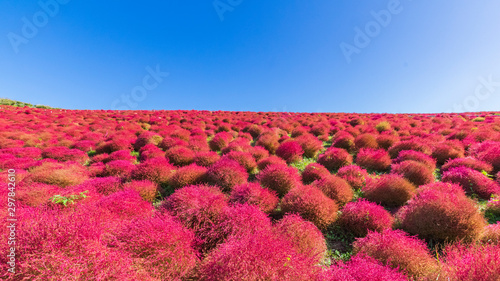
{"x":200,"y":195}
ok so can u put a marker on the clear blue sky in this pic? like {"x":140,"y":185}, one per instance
{"x":278,"y":55}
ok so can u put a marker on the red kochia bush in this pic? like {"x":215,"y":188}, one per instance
{"x":409,"y":145}
{"x":366,"y":141}
{"x":147,"y":138}
{"x":119,"y":168}
{"x":104,"y":186}
{"x":468,"y":162}
{"x":290,"y":151}
{"x":59,"y":174}
{"x":306,"y":238}
{"x":245,"y":159}
{"x":373,"y":159}
{"x":416,"y":172}
{"x":120,"y":155}
{"x":206,"y":158}
{"x":472,"y":181}
{"x":196,"y":205}
{"x":314,"y":171}
{"x":64,"y":154}
{"x":279,"y":178}
{"x":335,"y":188}
{"x":441,"y":211}
{"x":354,"y":175}
{"x":362,"y":216}
{"x":385,"y":141}
{"x":310,"y":144}
{"x":220,"y":141}
{"x":389,"y":190}
{"x":188,"y":175}
{"x":472,"y":262}
{"x":262,"y":164}
{"x":396,"y":249}
{"x":180,"y":155}
{"x":416,"y":156}
{"x":160,"y":245}
{"x":335,"y":158}
{"x":251,"y":258}
{"x":254,"y":194}
{"x":491,"y":234}
{"x":157,"y":170}
{"x":227,"y":173}
{"x":35,"y":194}
{"x":362,"y":267}
{"x":269,"y":141}
{"x":147,"y":189}
{"x":343,"y":140}
{"x":123,"y":205}
{"x":311,"y":204}
{"x":447,"y":150}
{"x":259,"y":153}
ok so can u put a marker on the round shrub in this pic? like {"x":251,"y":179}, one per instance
{"x":262,"y":164}
{"x":491,"y":234}
{"x":441,"y":213}
{"x":311,"y":204}
{"x":160,"y":245}
{"x":279,"y":178}
{"x":385,"y":141}
{"x":310,"y":145}
{"x":259,"y":153}
{"x":245,"y":159}
{"x":354,"y":175}
{"x":62,"y":175}
{"x":119,"y":168}
{"x":206,"y":158}
{"x":104,"y":186}
{"x":180,"y":155}
{"x":362,"y":267}
{"x":314,"y":171}
{"x":366,"y":141}
{"x":396,"y":249}
{"x":123,"y":205}
{"x":305,"y":237}
{"x":409,"y":145}
{"x":251,"y":258}
{"x":445,"y":151}
{"x":290,"y":151}
{"x":469,"y":162}
{"x":343,"y":140}
{"x":147,"y":189}
{"x":335,"y":188}
{"x":335,"y":158}
{"x":362,"y":216}
{"x":373,"y":159}
{"x":254,"y":194}
{"x":121,"y":155}
{"x":472,"y":181}
{"x":269,"y":141}
{"x":416,"y":156}
{"x":188,"y":175}
{"x":147,"y":138}
{"x":196,"y":205}
{"x":226,"y":174}
{"x":220,"y":141}
{"x":63,"y":154}
{"x":157,"y":170}
{"x":170,"y":142}
{"x":415,"y":172}
{"x":389,"y":190}
{"x":472,"y":262}
{"x":35,"y":194}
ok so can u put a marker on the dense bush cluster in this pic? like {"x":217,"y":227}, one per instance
{"x":202,"y":195}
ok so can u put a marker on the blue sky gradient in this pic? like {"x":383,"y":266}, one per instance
{"x":431,"y":56}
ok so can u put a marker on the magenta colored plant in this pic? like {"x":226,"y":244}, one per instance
{"x":354,"y":175}
{"x":472,"y":181}
{"x":279,"y":178}
{"x":290,"y":151}
{"x":362,"y":216}
{"x":226,"y":174}
{"x":254,"y":194}
{"x":335,"y":158}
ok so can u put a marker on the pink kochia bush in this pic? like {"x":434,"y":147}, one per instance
{"x":290,"y":151}
{"x":64,"y":154}
{"x":279,"y":178}
{"x":398,"y":250}
{"x":362,"y":267}
{"x":335,"y":188}
{"x":226,"y":174}
{"x":180,"y":155}
{"x":472,"y":262}
{"x":314,"y":171}
{"x":206,"y":158}
{"x":254,"y":194}
{"x":311,"y":204}
{"x":261,"y":256}
{"x":354,"y":175}
{"x":389,"y":190}
{"x":491,"y":234}
{"x":472,"y":181}
{"x":157,"y":170}
{"x":119,"y":168}
{"x":188,"y":175}
{"x":335,"y":158}
{"x":373,"y":159}
{"x":245,"y":159}
{"x":362,"y":216}
{"x":441,"y":211}
{"x":416,"y":172}
{"x":160,"y":245}
{"x":467,"y":162}
{"x":416,"y":156}
{"x":273,"y":159}
{"x":305,"y":236}
{"x":147,"y":189}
